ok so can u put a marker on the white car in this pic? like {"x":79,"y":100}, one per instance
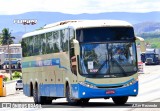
{"x":19,"y":84}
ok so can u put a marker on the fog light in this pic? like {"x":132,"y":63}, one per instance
{"x":135,"y":90}
{"x":83,"y":93}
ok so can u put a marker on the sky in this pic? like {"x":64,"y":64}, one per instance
{"x":10,"y":7}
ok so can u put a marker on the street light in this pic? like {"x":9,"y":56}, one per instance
{"x":9,"y":58}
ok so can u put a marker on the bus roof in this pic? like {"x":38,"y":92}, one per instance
{"x":76,"y":24}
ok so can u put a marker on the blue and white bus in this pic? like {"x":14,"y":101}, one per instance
{"x":80,"y":60}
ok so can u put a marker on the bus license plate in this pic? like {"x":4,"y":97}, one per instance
{"x":110,"y":92}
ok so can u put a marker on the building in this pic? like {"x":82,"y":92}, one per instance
{"x":15,"y":55}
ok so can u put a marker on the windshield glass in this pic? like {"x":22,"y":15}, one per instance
{"x":108,"y":59}
{"x":149,"y":55}
{"x":105,"y":34}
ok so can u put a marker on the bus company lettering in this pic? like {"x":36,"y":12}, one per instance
{"x":47,"y":62}
{"x":39,"y":63}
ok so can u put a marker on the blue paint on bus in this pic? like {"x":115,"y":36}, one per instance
{"x":80,"y":91}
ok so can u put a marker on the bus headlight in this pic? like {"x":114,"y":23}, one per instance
{"x":130,"y":83}
{"x":87,"y":85}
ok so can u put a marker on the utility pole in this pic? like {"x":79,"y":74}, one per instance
{"x":9,"y":56}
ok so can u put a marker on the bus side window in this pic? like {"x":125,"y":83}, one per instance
{"x":73,"y":60}
{"x":72,"y":52}
{"x":74,"y":65}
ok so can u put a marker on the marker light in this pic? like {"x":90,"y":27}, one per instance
{"x":86,"y":84}
{"x":130,"y":83}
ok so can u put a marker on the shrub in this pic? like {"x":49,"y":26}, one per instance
{"x":17,"y":74}
{"x":5,"y":78}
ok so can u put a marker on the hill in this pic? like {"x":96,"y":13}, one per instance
{"x":142,"y":21}
{"x":147,"y":27}
{"x":51,"y":17}
{"x":150,"y":31}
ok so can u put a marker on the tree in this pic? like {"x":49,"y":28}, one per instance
{"x":6,"y":35}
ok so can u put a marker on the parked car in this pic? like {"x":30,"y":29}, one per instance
{"x":19,"y":84}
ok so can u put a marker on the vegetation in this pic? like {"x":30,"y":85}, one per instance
{"x":154,"y":42}
{"x":150,"y":31}
{"x":151,"y":38}
{"x":5,"y":78}
{"x":146,"y":35}
{"x":17,"y":75}
{"x":5,"y":37}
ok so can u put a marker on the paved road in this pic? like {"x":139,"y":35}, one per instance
{"x":149,"y":91}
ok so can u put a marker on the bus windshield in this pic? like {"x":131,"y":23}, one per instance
{"x":107,"y":59}
{"x":105,"y":34}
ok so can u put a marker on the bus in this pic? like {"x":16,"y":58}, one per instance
{"x":80,"y":60}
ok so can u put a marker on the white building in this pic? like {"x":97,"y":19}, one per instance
{"x":15,"y":54}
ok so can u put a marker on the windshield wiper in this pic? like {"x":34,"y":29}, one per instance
{"x":119,"y":66}
{"x":101,"y":67}
{"x":109,"y":66}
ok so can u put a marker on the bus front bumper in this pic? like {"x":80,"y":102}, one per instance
{"x":80,"y":91}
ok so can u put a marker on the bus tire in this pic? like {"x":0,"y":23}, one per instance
{"x":47,"y":100}
{"x":83,"y":101}
{"x":68,"y":96}
{"x":120,"y":100}
{"x":37,"y":98}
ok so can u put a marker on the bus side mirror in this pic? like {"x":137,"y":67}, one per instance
{"x":142,"y":43}
{"x":76,"y":47}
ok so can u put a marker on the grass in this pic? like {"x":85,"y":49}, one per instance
{"x":15,"y":76}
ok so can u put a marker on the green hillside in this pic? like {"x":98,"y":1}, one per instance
{"x":146,"y":35}
{"x":150,"y":31}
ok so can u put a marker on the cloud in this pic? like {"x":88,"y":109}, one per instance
{"x":78,"y":6}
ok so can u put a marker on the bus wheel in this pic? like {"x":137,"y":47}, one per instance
{"x":47,"y":100}
{"x":120,"y":100}
{"x":68,"y":96}
{"x":83,"y":101}
{"x":37,"y":98}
